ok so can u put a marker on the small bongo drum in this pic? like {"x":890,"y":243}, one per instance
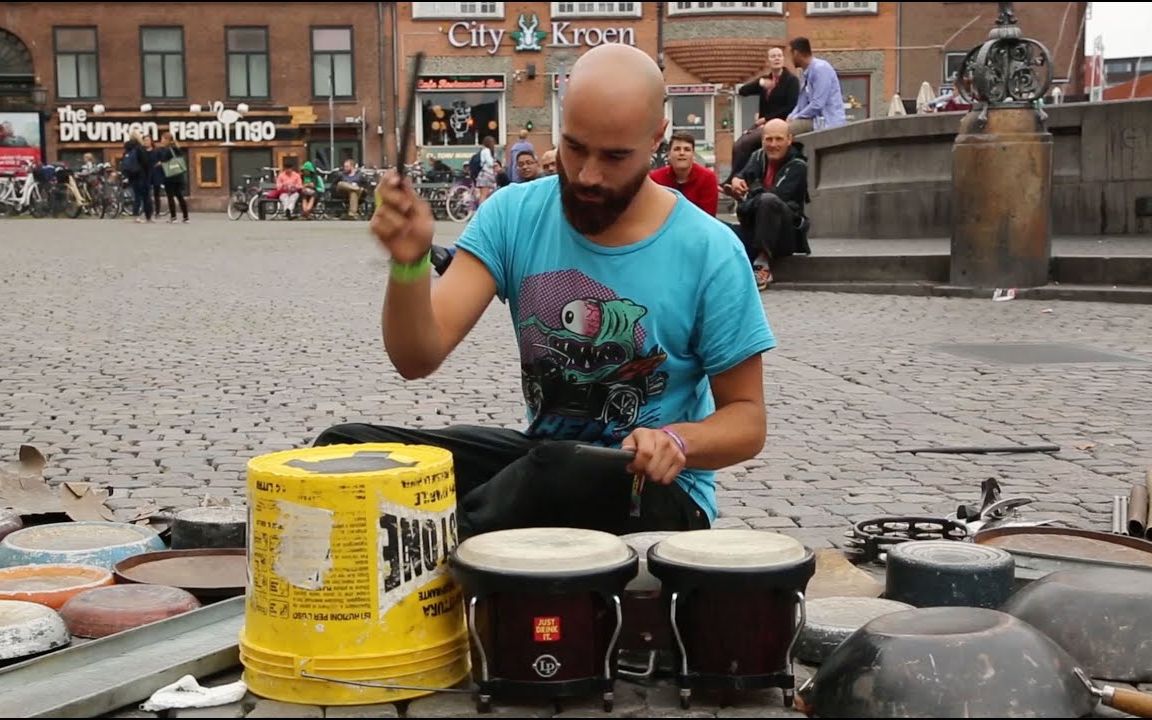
{"x":646,"y":637}
{"x":544,"y":610}
{"x":735,"y":600}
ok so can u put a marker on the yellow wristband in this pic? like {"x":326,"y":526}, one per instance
{"x":411,"y":272}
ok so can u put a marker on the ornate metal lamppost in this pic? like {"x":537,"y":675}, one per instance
{"x":1002,"y":163}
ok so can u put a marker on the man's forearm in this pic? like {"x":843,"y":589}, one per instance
{"x":807,"y":112}
{"x":411,"y":334}
{"x":730,"y":435}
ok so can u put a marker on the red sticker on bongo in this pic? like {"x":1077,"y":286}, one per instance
{"x":546,"y":629}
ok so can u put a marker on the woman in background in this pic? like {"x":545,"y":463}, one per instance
{"x":173,"y":184}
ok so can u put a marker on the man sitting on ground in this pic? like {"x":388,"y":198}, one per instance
{"x":771,"y":190}
{"x":637,"y":319}
{"x":683,"y":173}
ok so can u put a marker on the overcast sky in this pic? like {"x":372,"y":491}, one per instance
{"x":1126,"y":27}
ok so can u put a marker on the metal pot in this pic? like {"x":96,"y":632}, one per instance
{"x":955,"y":662}
{"x":1100,"y":616}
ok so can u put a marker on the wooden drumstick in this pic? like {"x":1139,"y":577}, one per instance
{"x":409,"y":111}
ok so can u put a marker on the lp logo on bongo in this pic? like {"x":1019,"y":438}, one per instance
{"x":546,"y":629}
{"x":546,"y":666}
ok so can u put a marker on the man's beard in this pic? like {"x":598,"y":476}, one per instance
{"x":594,"y":217}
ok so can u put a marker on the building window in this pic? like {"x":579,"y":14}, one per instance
{"x":705,"y":8}
{"x":162,"y":60}
{"x":247,"y":62}
{"x":457,"y":10}
{"x":283,"y":157}
{"x":208,"y":170}
{"x":332,"y":62}
{"x":460,"y":111}
{"x":834,"y":8}
{"x":595,"y":9}
{"x":320,"y":153}
{"x":857,"y":91}
{"x":249,"y":162}
{"x":952,"y":63}
{"x":690,"y":114}
{"x":77,"y":67}
{"x":690,"y":110}
{"x":74,"y":159}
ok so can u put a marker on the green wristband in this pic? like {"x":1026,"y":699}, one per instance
{"x":411,"y":272}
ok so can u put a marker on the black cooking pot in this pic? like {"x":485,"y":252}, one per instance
{"x":952,"y":662}
{"x":1102,"y":616}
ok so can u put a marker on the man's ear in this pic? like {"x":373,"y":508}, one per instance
{"x":658,"y":138}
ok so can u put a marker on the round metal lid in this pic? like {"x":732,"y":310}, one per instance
{"x":216,"y":515}
{"x":731,"y":548}
{"x":948,"y":553}
{"x":113,"y":608}
{"x":77,"y":536}
{"x":848,"y":612}
{"x":534,"y":550}
{"x":29,"y":629}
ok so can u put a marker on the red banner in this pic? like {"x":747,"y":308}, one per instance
{"x":20,"y":140}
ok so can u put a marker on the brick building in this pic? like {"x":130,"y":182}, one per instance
{"x":244,"y":87}
{"x":241,"y":86}
{"x":935,"y":37}
{"x":495,"y":67}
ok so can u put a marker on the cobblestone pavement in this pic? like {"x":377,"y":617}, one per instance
{"x":158,"y":359}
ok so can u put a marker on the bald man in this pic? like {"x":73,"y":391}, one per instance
{"x":771,"y":191}
{"x":548,"y":163}
{"x":637,"y":321}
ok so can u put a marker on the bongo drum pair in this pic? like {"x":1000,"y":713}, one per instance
{"x":549,"y":609}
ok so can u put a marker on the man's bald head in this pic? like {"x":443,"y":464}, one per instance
{"x":776,"y":126}
{"x":776,"y":139}
{"x":612,"y":123}
{"x":614,"y":74}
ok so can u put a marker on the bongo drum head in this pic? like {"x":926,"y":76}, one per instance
{"x":641,"y":542}
{"x":560,"y":551}
{"x":730,"y":548}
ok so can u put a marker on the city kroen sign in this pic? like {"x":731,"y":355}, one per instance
{"x":530,"y":38}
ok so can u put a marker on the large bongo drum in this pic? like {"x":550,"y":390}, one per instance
{"x":544,"y":611}
{"x":735,"y":600}
{"x":646,"y":637}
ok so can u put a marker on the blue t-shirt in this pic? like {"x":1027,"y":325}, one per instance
{"x":616,"y":338}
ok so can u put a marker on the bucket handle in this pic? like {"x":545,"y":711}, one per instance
{"x":302,"y":668}
{"x":384,"y":686}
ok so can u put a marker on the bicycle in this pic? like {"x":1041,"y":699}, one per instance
{"x":462,"y":201}
{"x":240,"y":198}
{"x":266,"y":201}
{"x":27,"y":198}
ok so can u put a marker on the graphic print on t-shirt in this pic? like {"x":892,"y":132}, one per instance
{"x":584,"y":367}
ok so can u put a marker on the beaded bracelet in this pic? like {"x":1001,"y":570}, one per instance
{"x":677,"y":439}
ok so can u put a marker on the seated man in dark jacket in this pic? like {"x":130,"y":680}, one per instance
{"x":771,"y":190}
{"x":778,"y":89}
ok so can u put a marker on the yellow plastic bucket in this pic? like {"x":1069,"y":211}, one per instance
{"x":349,"y":585}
